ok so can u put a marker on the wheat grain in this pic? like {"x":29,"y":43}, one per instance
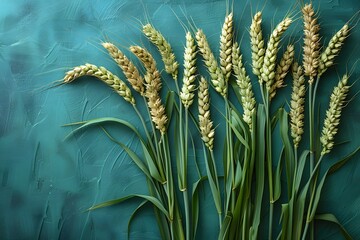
{"x":268,"y":69}
{"x":311,"y":42}
{"x":257,"y":45}
{"x":243,"y":81}
{"x":332,"y":50}
{"x":217,"y":78}
{"x":226,"y":46}
{"x":104,"y":75}
{"x":205,"y":123}
{"x":131,"y":72}
{"x":297,"y":104}
{"x":153,"y":86}
{"x":188,"y":87}
{"x":164,"y":47}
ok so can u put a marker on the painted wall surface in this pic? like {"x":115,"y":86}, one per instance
{"x":47,"y":181}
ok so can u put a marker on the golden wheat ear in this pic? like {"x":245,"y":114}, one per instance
{"x":130,"y":71}
{"x":311,"y":42}
{"x":282,"y":69}
{"x":206,"y":125}
{"x":104,"y":75}
{"x":164,"y":47}
{"x":268,"y":69}
{"x":153,"y":86}
{"x":297,"y":104}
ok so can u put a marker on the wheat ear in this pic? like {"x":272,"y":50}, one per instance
{"x":188,"y":87}
{"x":333,"y":48}
{"x":104,"y":75}
{"x":226,"y":46}
{"x":153,"y":86}
{"x":243,"y":81}
{"x":311,"y":42}
{"x":257,"y":45}
{"x":206,"y":125}
{"x":164,"y":47}
{"x":131,"y":72}
{"x":268,"y":69}
{"x":217,"y":78}
{"x":297,"y":104}
{"x":282,"y":69}
{"x":332,"y":119}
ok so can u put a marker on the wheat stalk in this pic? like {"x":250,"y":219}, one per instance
{"x":205,"y":123}
{"x":311,"y":42}
{"x":131,"y":72}
{"x":268,"y":69}
{"x":332,"y":119}
{"x":153,"y":86}
{"x":243,"y":81}
{"x":217,"y":78}
{"x":188,"y":87}
{"x":297,"y":104}
{"x":282,"y":69}
{"x":257,"y":45}
{"x":332,"y":50}
{"x":164,"y":47}
{"x":104,"y":75}
{"x":226,"y":46}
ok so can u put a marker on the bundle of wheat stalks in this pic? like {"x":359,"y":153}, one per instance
{"x":248,"y":168}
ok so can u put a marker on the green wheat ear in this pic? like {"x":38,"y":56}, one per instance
{"x":332,"y":119}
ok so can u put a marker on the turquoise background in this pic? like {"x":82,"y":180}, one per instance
{"x":47,"y":181}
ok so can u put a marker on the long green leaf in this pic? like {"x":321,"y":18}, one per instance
{"x":317,"y":197}
{"x":258,"y":136}
{"x":300,"y":170}
{"x":342,"y":162}
{"x":131,"y":154}
{"x":99,"y":121}
{"x":224,"y":231}
{"x":151,"y":199}
{"x":195,"y":205}
{"x":289,"y":155}
{"x":284,"y":218}
{"x":212,"y":177}
{"x":277,"y":182}
{"x":235,"y":123}
{"x":151,"y":170}
{"x":332,"y":169}
{"x":169,"y":105}
{"x":331,"y":218}
{"x":139,"y":207}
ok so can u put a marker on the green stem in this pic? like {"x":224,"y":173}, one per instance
{"x":182,"y":160}
{"x":229,"y":157}
{"x":315,"y":173}
{"x":269,"y":160}
{"x":271,"y":213}
{"x":145,"y":128}
{"x":187,"y":213}
{"x":218,"y":206}
{"x":312,"y":101}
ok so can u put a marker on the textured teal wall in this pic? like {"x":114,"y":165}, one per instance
{"x":47,"y":181}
